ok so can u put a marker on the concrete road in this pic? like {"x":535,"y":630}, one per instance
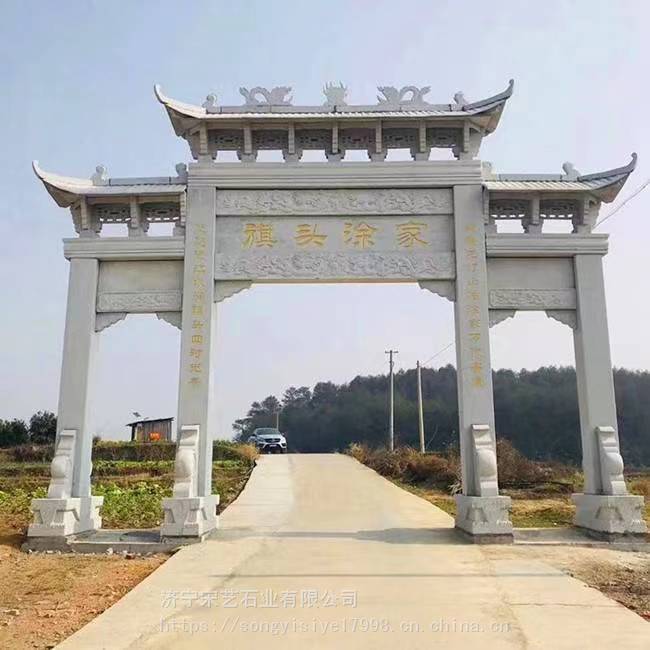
{"x":321,"y":552}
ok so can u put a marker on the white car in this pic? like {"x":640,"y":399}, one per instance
{"x":269,"y":440}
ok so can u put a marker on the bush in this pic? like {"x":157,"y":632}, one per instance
{"x":138,"y":506}
{"x":13,"y":432}
{"x":515,"y":470}
{"x":408,"y":465}
{"x":135,"y":451}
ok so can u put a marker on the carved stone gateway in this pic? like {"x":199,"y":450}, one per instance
{"x":432,"y":222}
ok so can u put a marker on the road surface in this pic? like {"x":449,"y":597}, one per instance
{"x":321,"y":552}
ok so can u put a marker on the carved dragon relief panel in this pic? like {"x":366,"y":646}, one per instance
{"x":532,"y":299}
{"x":142,"y":302}
{"x":336,"y":266}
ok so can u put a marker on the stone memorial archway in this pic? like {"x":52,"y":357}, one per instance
{"x":431,"y":222}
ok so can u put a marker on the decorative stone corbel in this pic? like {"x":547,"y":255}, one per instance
{"x":61,"y":514}
{"x":172,"y":317}
{"x":611,"y":461}
{"x":564,"y":316}
{"x":496,"y":316}
{"x":186,"y":514}
{"x":485,"y":461}
{"x":62,"y":466}
{"x":443,"y":288}
{"x":107,"y":318}
{"x":226,"y":288}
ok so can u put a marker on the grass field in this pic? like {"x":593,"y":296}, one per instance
{"x":541,"y":493}
{"x":46,"y":597}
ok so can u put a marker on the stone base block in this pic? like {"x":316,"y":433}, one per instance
{"x":62,"y":517}
{"x":190,"y":516}
{"x":610,"y":514}
{"x":484,"y":517}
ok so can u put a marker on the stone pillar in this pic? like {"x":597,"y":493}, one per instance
{"x":480,"y":509}
{"x":605,"y":506}
{"x":196,"y":387}
{"x":70,"y":508}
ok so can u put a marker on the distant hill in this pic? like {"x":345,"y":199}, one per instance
{"x":536,"y":410}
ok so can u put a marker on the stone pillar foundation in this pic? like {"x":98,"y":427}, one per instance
{"x":66,"y":516}
{"x":487,"y":519}
{"x":189,"y":516}
{"x":610,"y":514}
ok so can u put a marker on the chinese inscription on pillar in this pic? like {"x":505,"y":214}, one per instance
{"x":200,"y":309}
{"x":473,"y":306}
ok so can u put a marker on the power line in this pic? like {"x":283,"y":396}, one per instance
{"x":439,"y":352}
{"x":627,"y":200}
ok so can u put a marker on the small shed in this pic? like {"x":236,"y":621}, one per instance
{"x":151,"y":430}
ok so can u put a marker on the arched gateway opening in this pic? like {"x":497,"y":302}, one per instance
{"x":432,"y":222}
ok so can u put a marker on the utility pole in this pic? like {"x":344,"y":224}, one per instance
{"x":420,"y":408}
{"x":391,"y":421}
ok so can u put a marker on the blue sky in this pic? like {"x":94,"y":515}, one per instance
{"x":77,"y":82}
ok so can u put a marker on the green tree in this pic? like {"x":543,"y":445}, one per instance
{"x":42,"y":428}
{"x":12,"y":433}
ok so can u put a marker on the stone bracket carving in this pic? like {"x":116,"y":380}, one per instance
{"x":611,"y":461}
{"x":108,"y":318}
{"x":564,"y":316}
{"x":532,"y":299}
{"x":142,"y":302}
{"x":485,"y":461}
{"x":224,"y":290}
{"x":496,"y":316}
{"x":443,"y":288}
{"x":172,"y":317}
{"x":185,"y":464}
{"x":62,"y":465}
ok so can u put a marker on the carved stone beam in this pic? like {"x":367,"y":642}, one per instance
{"x":291,"y":154}
{"x":378,"y":154}
{"x":89,"y":227}
{"x":248,"y":154}
{"x":422,"y":151}
{"x":204,"y":152}
{"x":137,"y":227}
{"x":532,"y":223}
{"x":335,"y":155}
{"x":179,"y":226}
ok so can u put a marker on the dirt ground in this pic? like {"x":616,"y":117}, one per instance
{"x":624,"y":576}
{"x":45,"y":598}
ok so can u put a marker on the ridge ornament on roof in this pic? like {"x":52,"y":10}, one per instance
{"x":401,"y":119}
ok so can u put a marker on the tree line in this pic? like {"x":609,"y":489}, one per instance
{"x":41,"y":430}
{"x":536,"y":410}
